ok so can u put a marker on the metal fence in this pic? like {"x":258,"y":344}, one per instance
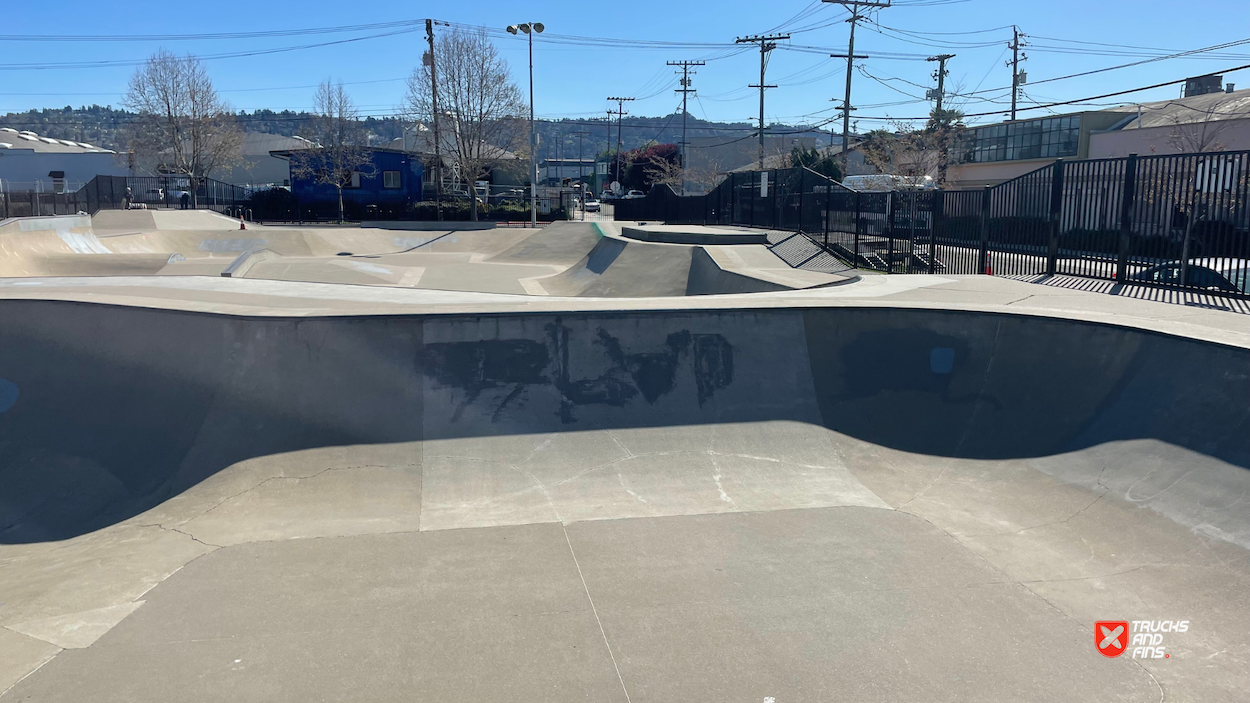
{"x":111,"y":193}
{"x":1178,"y":220}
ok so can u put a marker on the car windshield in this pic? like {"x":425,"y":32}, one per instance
{"x":1240,"y":278}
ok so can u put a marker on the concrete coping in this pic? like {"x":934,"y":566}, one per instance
{"x":675,"y":234}
{"x":245,"y":261}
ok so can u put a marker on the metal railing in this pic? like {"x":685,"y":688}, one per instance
{"x":1180,"y":221}
{"x":120,"y":192}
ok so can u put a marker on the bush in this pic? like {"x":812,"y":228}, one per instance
{"x":273,"y":204}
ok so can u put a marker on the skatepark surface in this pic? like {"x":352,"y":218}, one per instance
{"x":565,"y":258}
{"x":897,"y":488}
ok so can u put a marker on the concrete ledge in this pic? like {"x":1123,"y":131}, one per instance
{"x":245,"y":261}
{"x":692,"y":234}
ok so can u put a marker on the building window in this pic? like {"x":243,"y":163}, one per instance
{"x":390,"y":179}
{"x":1051,"y":137}
{"x":355,"y":180}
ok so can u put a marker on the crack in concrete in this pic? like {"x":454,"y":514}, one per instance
{"x":227,"y":499}
{"x":32,"y":671}
{"x":1097,"y":576}
{"x":1025,"y":584}
{"x":1087,"y":506}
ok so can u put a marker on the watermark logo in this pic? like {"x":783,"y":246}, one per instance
{"x":1111,"y":637}
{"x":1142,"y":639}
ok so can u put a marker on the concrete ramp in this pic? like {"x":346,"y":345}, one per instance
{"x":193,"y":219}
{"x":619,"y":267}
{"x":559,"y":243}
{"x":124,"y":220}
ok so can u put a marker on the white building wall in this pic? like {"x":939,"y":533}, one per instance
{"x":22,"y":169}
{"x":1228,"y":135}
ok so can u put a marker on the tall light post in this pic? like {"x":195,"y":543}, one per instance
{"x":530,"y":29}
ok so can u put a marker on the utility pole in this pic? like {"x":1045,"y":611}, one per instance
{"x":941,"y":78}
{"x":685,"y":91}
{"x":438,"y":148}
{"x":853,"y":6}
{"x":607,"y":144}
{"x":1016,"y":58}
{"x":620,"y":115}
{"x":581,"y":169}
{"x":767,"y":44}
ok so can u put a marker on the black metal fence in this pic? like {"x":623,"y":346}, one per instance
{"x":1178,"y":220}
{"x":120,"y":192}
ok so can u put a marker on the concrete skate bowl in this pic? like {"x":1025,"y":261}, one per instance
{"x":110,"y":411}
{"x":809,"y":495}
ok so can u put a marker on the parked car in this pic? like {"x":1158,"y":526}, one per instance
{"x":151,"y":195}
{"x":592,"y":205}
{"x":1231,"y":275}
{"x":633,"y":194}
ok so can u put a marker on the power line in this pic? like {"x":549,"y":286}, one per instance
{"x":1078,"y":100}
{"x":208,"y":57}
{"x":206,"y":36}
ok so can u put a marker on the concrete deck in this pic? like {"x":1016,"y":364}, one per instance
{"x":901,"y":488}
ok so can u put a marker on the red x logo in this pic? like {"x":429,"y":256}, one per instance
{"x":1111,"y":637}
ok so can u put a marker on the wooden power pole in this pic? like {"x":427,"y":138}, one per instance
{"x":767,"y":44}
{"x":438,"y":147}
{"x":620,"y":116}
{"x":854,"y":7}
{"x":685,"y":91}
{"x":1016,"y":75}
{"x":940,"y":75}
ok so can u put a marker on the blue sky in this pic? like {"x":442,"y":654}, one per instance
{"x":573,"y":77}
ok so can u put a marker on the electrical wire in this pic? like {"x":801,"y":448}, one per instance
{"x":206,"y":36}
{"x":208,"y":57}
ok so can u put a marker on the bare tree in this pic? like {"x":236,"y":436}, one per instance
{"x":661,"y":171}
{"x":1196,"y":136}
{"x":707,"y":174}
{"x":341,"y":156}
{"x":183,"y":125}
{"x":907,"y":151}
{"x":481,"y":109}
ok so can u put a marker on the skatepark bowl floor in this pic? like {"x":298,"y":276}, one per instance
{"x":607,"y":470}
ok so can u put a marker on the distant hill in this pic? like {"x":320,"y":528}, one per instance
{"x":105,"y":127}
{"x":558,"y":137}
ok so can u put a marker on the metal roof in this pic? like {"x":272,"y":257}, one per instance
{"x":1199,"y":108}
{"x":30,"y":141}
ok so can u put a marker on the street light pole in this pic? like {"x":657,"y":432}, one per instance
{"x":530,"y":29}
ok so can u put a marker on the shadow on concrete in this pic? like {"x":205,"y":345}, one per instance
{"x":1141,"y":292}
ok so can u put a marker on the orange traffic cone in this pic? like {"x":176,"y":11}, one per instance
{"x":242,"y":224}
